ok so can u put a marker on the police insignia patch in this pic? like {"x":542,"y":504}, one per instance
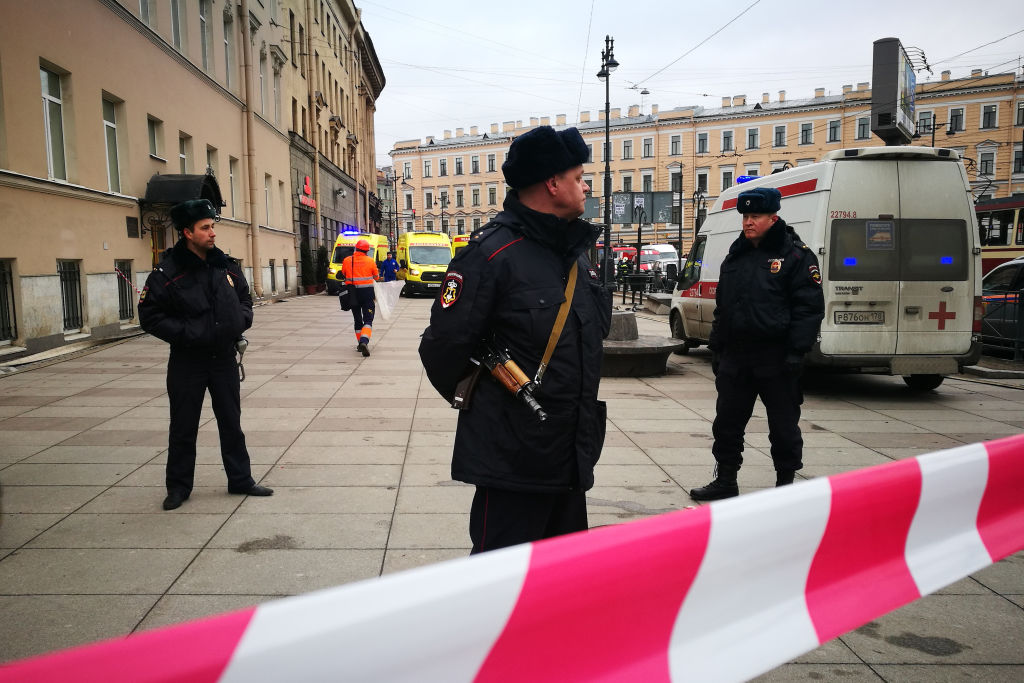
{"x":776,"y":265}
{"x":593,"y":273}
{"x":142,"y":297}
{"x":451,"y":288}
{"x":815,"y":274}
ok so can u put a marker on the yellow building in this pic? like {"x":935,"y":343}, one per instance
{"x":697,"y":152}
{"x":98,"y":97}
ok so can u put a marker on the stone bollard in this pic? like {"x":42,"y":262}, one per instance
{"x":628,"y":354}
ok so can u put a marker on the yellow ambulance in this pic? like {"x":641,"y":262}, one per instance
{"x":423,"y":260}
{"x":343,"y":248}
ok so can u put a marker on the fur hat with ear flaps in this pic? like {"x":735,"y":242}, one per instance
{"x":541,"y":153}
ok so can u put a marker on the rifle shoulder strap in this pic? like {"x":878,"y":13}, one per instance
{"x":556,"y":331}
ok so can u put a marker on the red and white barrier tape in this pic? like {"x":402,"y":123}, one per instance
{"x":126,"y":279}
{"x":722,"y":592}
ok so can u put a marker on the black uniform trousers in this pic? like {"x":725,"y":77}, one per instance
{"x":362,"y":311}
{"x":499,"y":518}
{"x":189,"y":375}
{"x":741,"y":379}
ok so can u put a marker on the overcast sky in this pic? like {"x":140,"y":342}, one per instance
{"x":459,"y":63}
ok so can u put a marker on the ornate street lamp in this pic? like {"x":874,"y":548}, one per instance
{"x":608,"y":65}
{"x":700,"y":207}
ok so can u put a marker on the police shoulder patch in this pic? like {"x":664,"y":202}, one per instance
{"x":451,"y":289}
{"x":142,"y":296}
{"x":815,"y":274}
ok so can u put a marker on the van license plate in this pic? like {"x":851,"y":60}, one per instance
{"x":433,"y":284}
{"x":859,"y":317}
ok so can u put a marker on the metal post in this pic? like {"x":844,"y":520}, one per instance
{"x":608,"y":64}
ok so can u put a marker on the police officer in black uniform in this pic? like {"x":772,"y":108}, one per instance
{"x":198,"y":301}
{"x":769,"y":307}
{"x":505,"y":288}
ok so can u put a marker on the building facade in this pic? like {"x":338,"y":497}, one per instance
{"x":133,"y":89}
{"x":697,"y":152}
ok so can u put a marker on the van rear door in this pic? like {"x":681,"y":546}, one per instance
{"x":936,"y":304}
{"x":862,"y":299}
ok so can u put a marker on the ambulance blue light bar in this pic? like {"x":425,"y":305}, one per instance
{"x":746,"y":178}
{"x":850,"y":261}
{"x":946,"y":260}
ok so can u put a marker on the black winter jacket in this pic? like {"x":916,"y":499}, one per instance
{"x":507,"y":285}
{"x":769,"y":297}
{"x":195,"y":305}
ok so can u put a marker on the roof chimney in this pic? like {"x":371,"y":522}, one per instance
{"x":654,"y":110}
{"x":506,"y":126}
{"x":861,"y":87}
{"x":447,"y":134}
{"x":545,"y":120}
{"x":615,"y":113}
{"x":847,"y":89}
{"x":560,"y":120}
{"x":430,"y":139}
{"x":975,"y":72}
{"x":782,"y":96}
{"x":634,"y":110}
{"x":726,"y":101}
{"x":534,"y":122}
{"x":764,"y":98}
{"x":600,"y":115}
{"x":519,"y":124}
{"x":584,"y":117}
{"x":946,"y":75}
{"x":494,"y":129}
{"x":819,"y":92}
{"x":739,"y":100}
{"x":473,"y":130}
{"x":459,"y":132}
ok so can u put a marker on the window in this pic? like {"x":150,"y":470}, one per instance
{"x":804,"y":162}
{"x":459,"y":198}
{"x":211,"y":159}
{"x":110,"y":135}
{"x":430,"y":225}
{"x":780,"y":136}
{"x":863,"y":128}
{"x":426,"y":169}
{"x":648,"y":183}
{"x":408,"y":201}
{"x":229,"y":50}
{"x":125,"y":295}
{"x":460,"y":225}
{"x":407,"y":170}
{"x":155,"y":129}
{"x":474,"y":164}
{"x":205,"y":34}
{"x":590,"y":153}
{"x":263,"y":85}
{"x":302,"y":43}
{"x":726,"y":180}
{"x":409,"y":226}
{"x":987,"y":163}
{"x":676,"y":183}
{"x":726,"y":140}
{"x":675,"y":145}
{"x":442,"y":167}
{"x":273,"y":275}
{"x":956,"y":119}
{"x":184,"y":148}
{"x":476,"y":196}
{"x":492,"y":196}
{"x":1020,"y":114}
{"x":752,"y":170}
{"x":627,"y":149}
{"x":428,"y":200}
{"x":906,"y":249}
{"x":925,"y":119}
{"x":1018,"y":161}
{"x":277,"y":97}
{"x":702,"y":143}
{"x":627,"y":183}
{"x":284,"y":271}
{"x":648,"y":148}
{"x":806,"y":133}
{"x":476,"y":224}
{"x":70,"y":273}
{"x":490,"y":163}
{"x":834,"y":127}
{"x":53,"y":121}
{"x":176,"y":24}
{"x":146,"y":12}
{"x":988,"y":116}
{"x":266,"y":197}
{"x":753,"y":135}
{"x":443,"y":197}
{"x":8,"y":317}
{"x":458,"y":165}
{"x":702,"y":181}
{"x":232,"y":174}
{"x":291,"y":35}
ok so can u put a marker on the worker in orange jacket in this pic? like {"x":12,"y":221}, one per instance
{"x":360,"y":271}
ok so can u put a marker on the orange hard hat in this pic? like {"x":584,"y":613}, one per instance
{"x":363,"y":245}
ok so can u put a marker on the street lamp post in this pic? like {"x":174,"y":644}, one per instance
{"x":608,"y":65}
{"x":700,"y":205}
{"x":442,"y":201}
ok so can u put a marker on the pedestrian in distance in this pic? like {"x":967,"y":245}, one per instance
{"x":198,"y":301}
{"x":389,"y":268}
{"x":504,"y":292}
{"x":769,"y":306}
{"x":360,"y":272}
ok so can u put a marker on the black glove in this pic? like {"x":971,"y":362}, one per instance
{"x":794,"y":364}
{"x":715,"y":361}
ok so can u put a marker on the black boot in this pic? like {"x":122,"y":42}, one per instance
{"x":784,"y":477}
{"x":723,"y":486}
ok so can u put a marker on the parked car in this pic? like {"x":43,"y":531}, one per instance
{"x":1001,"y":302}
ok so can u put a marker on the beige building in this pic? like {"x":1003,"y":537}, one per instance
{"x":697,"y":152}
{"x":105,"y":95}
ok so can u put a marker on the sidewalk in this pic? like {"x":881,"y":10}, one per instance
{"x":358,"y":452}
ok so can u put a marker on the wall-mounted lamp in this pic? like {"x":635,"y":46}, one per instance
{"x":340,"y":193}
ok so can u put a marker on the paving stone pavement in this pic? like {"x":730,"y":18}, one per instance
{"x":358,"y":451}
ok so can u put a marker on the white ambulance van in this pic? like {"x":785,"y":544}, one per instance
{"x":895,"y":235}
